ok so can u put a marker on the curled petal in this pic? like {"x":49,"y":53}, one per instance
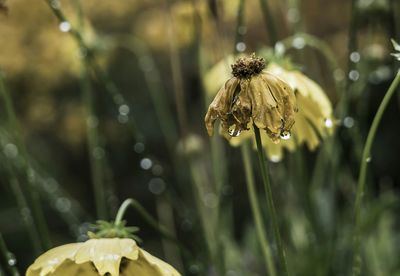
{"x":221,"y":106}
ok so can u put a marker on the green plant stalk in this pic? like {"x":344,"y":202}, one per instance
{"x":256,"y":210}
{"x":176,"y":73}
{"x":22,"y":203}
{"x":270,"y":202}
{"x":145,"y":215}
{"x":351,"y":47}
{"x":90,"y":59}
{"x":209,"y":226}
{"x":207,"y":218}
{"x":93,"y":143}
{"x":92,"y":135}
{"x":165,"y":216}
{"x":39,"y":221}
{"x":162,"y":230}
{"x":324,"y":49}
{"x":269,"y":22}
{"x":5,"y":257}
{"x":239,"y":23}
{"x":363,"y":173}
{"x":156,"y":91}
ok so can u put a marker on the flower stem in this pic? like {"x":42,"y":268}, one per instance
{"x":270,"y":202}
{"x":33,"y":197}
{"x":102,"y":76}
{"x":144,"y":214}
{"x":255,"y":208}
{"x":363,"y":173}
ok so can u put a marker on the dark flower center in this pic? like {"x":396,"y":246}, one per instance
{"x":245,"y":68}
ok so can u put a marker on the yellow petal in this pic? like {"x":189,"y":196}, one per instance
{"x":106,"y":254}
{"x":52,"y":259}
{"x":221,"y":105}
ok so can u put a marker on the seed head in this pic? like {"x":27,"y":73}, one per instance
{"x":247,"y":67}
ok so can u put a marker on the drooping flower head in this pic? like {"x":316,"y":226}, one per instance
{"x":314,"y":119}
{"x":253,"y":96}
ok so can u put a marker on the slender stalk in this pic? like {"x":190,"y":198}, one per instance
{"x":255,"y":208}
{"x":93,"y":144}
{"x":351,"y":47}
{"x":270,"y":202}
{"x":152,"y":77}
{"x":7,"y":258}
{"x":363,"y":173}
{"x":165,"y":215}
{"x":144,"y":214}
{"x":90,"y":59}
{"x":39,"y":221}
{"x":176,"y":73}
{"x":269,"y":22}
{"x":239,"y":24}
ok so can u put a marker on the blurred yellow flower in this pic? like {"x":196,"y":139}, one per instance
{"x":314,"y":120}
{"x":253,"y":96}
{"x":100,"y":257}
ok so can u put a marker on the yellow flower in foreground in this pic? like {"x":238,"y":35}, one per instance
{"x":314,"y":119}
{"x":100,"y":257}
{"x":253,"y":96}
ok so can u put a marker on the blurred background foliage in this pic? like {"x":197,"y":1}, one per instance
{"x":124,"y":111}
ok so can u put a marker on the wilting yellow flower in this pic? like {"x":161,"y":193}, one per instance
{"x":253,"y":96}
{"x":112,"y":256}
{"x":314,"y":119}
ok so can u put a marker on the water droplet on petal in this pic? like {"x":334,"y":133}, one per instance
{"x":285,"y":135}
{"x":275,"y":158}
{"x":234,"y":131}
{"x":328,"y":123}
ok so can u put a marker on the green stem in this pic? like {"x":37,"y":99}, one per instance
{"x":270,"y":202}
{"x":39,"y":221}
{"x":363,"y":172}
{"x":269,"y":22}
{"x":255,"y":208}
{"x":144,"y":214}
{"x":176,"y":71}
{"x":239,"y":23}
{"x":90,"y":59}
{"x":93,"y":143}
{"x":7,"y":257}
